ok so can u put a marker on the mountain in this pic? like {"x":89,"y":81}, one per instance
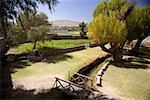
{"x":62,"y":23}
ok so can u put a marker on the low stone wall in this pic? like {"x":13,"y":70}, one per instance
{"x":49,"y":52}
{"x":101,"y":73}
{"x":77,"y":48}
{"x":72,"y":49}
{"x":68,"y":37}
{"x":87,"y":69}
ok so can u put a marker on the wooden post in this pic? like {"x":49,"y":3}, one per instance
{"x":55,"y":83}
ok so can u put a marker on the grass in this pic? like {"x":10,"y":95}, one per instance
{"x":71,"y":33}
{"x":134,"y":83}
{"x":53,"y":44}
{"x":130,"y":83}
{"x":74,"y":62}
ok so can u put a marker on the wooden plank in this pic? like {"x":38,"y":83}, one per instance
{"x":82,"y":75}
{"x":84,"y":80}
{"x":61,"y":84}
{"x":81,"y":83}
{"x":70,"y":83}
{"x":74,"y":79}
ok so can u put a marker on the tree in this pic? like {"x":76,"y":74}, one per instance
{"x":138,"y":23}
{"x":18,"y":35}
{"x":83,"y":29}
{"x":109,"y":25}
{"x":36,"y":26}
{"x":9,"y":10}
{"x":38,"y":33}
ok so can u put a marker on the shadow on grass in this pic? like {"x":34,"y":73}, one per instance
{"x":131,"y":65}
{"x":57,"y":94}
{"x":143,"y":52}
{"x":51,"y":94}
{"x":138,"y":59}
{"x":47,"y":55}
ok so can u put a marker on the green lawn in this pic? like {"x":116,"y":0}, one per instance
{"x":61,"y":65}
{"x":132,"y":83}
{"x":53,"y":44}
{"x":127,"y":83}
{"x":72,"y":33}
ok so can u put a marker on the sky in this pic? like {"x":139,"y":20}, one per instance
{"x":77,"y":10}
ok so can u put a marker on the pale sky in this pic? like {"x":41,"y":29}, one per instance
{"x":77,"y":10}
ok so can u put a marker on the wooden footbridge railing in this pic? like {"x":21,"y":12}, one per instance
{"x":77,"y":80}
{"x":80,"y":79}
{"x":58,"y":83}
{"x":74,"y":89}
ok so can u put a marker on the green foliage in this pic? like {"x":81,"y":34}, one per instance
{"x":137,"y":20}
{"x":38,"y":33}
{"x":51,"y":44}
{"x":32,"y":19}
{"x":18,"y":36}
{"x":35,"y":26}
{"x":119,"y":7}
{"x":10,"y":10}
{"x":108,"y":25}
{"x":83,"y":29}
{"x":138,"y":23}
{"x":104,"y":29}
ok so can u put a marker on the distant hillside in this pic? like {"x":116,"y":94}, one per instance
{"x":68,"y":23}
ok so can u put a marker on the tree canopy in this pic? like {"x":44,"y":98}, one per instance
{"x":83,"y":29}
{"x":116,"y":21}
{"x":138,"y":24}
{"x":12,"y":9}
{"x":9,"y":11}
{"x":109,"y":25}
{"x":105,"y":29}
{"x":35,"y":25}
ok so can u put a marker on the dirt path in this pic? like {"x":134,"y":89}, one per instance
{"x":37,"y":83}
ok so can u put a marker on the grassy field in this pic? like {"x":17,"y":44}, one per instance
{"x":61,"y":64}
{"x":70,"y":33}
{"x":133,"y":83}
{"x":127,"y":83}
{"x":53,"y":44}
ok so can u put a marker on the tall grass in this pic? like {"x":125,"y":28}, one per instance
{"x":52,"y":44}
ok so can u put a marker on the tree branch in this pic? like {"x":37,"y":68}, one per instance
{"x":104,"y":48}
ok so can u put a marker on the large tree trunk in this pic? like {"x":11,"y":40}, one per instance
{"x":104,"y":48}
{"x":5,"y":78}
{"x":140,"y":39}
{"x":138,"y":43}
{"x":6,"y":83}
{"x":136,"y":47}
{"x":117,"y":54}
